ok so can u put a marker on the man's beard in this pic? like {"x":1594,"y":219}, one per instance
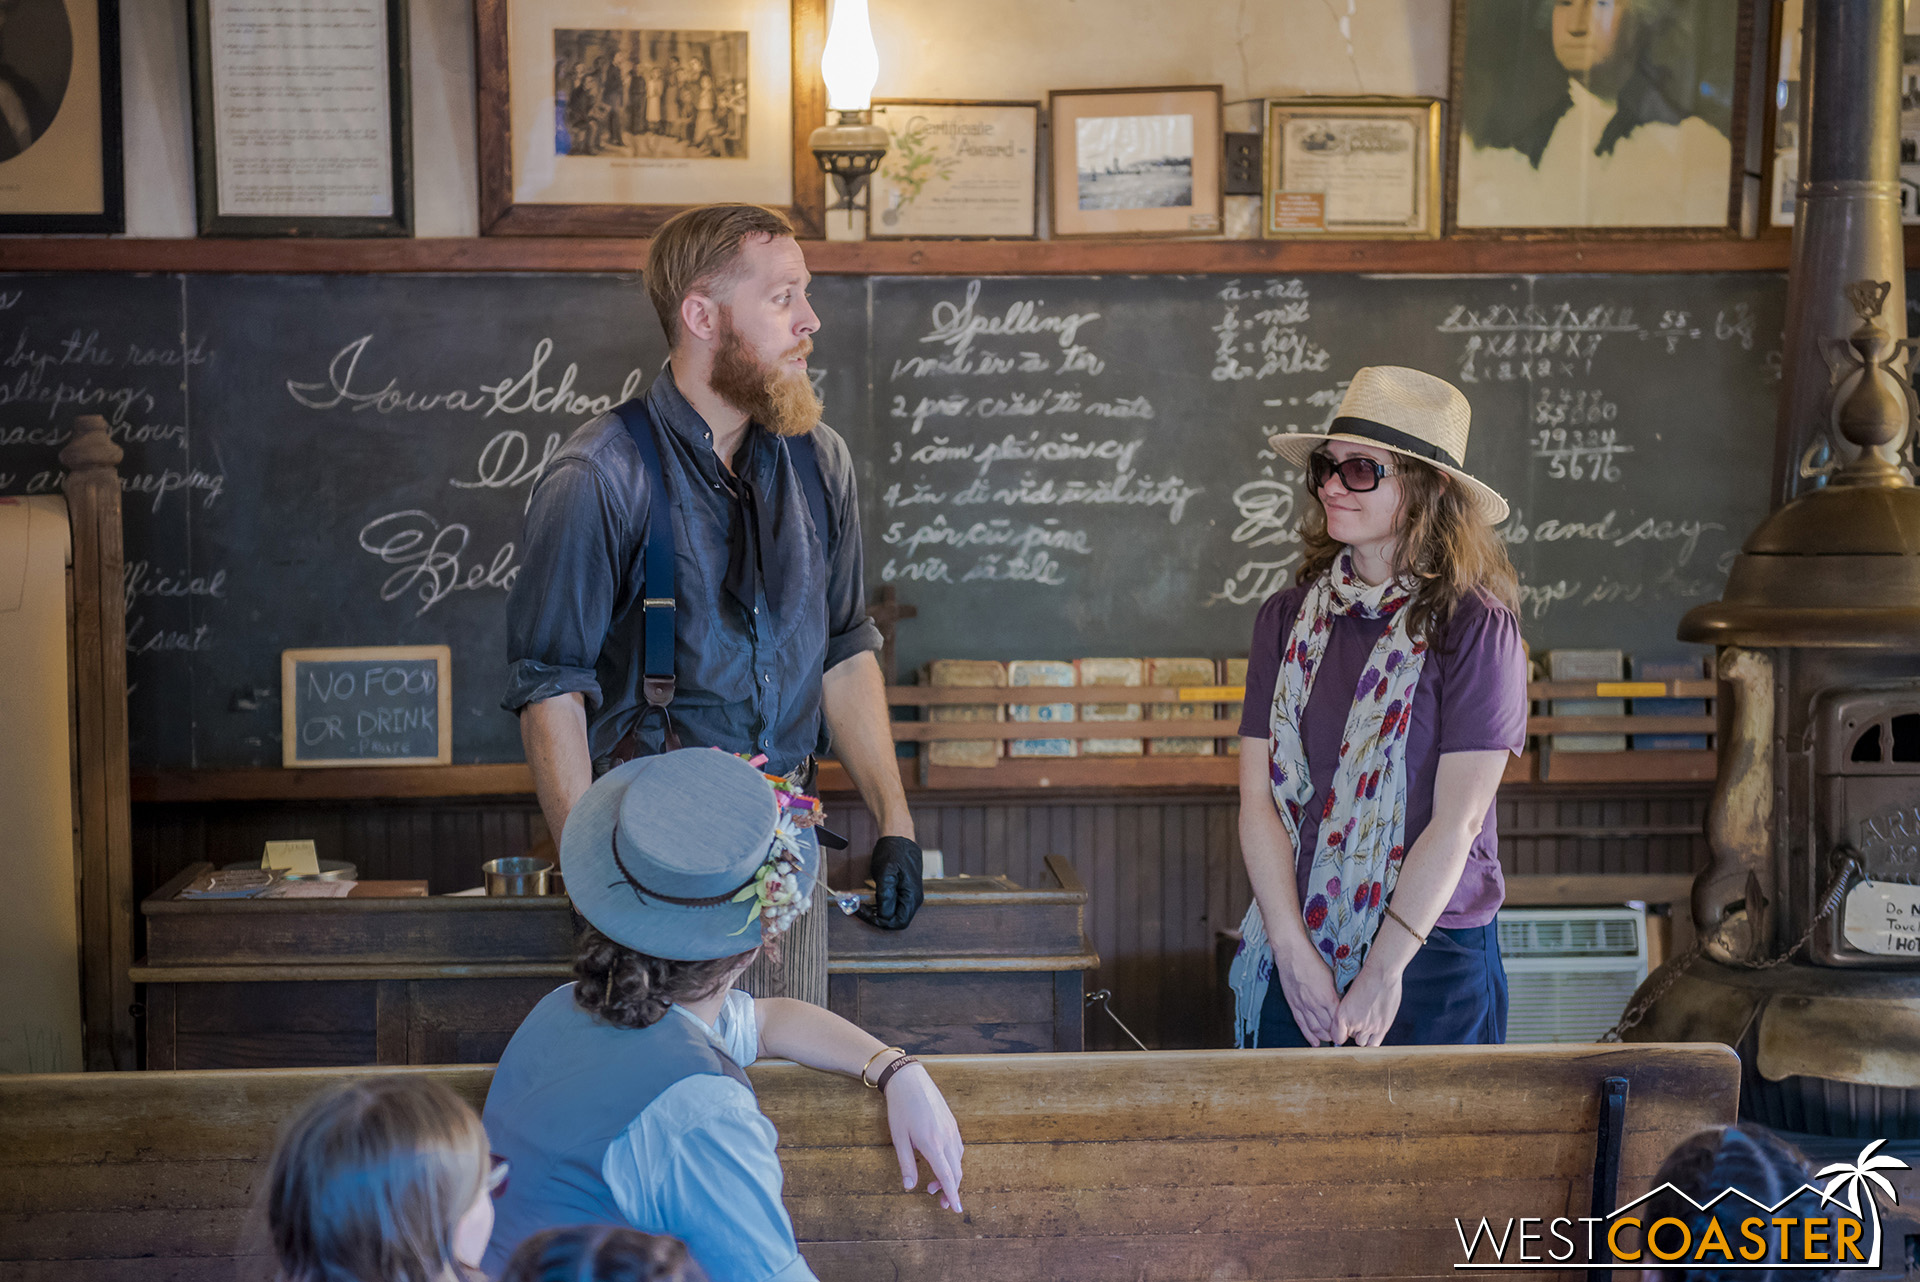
{"x":776,"y":396}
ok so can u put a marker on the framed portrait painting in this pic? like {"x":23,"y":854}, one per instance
{"x":301,"y":118}
{"x":1598,"y":116}
{"x":604,"y":117}
{"x":60,"y":161}
{"x":1136,"y":162}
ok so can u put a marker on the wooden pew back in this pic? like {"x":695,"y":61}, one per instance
{"x":1166,"y":1165}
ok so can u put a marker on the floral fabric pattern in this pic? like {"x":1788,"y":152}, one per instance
{"x":1360,"y":845}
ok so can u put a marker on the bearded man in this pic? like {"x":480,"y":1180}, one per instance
{"x":723,"y":487}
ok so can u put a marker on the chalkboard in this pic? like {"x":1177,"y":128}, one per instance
{"x":366,"y":706}
{"x":1050,"y":467}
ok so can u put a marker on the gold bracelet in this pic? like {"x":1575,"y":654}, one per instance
{"x":874,"y":1086}
{"x":1388,"y":909}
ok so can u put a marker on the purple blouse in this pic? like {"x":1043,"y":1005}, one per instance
{"x":1472,"y":697}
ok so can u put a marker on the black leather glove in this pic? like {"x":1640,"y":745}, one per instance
{"x":896,"y":884}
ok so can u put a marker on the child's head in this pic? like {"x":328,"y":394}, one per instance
{"x":600,"y":1253}
{"x":1749,"y":1158}
{"x":385,"y":1180}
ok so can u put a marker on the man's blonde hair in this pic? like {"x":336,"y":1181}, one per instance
{"x":698,"y":250}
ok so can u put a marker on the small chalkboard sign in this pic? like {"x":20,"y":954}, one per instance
{"x":366,"y":706}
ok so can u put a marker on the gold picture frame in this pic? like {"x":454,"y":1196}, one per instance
{"x":1351,"y":168}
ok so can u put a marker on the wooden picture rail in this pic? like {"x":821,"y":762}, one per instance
{"x":909,"y":257}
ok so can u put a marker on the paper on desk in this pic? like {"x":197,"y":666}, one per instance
{"x":298,"y":858}
{"x":308,"y":890}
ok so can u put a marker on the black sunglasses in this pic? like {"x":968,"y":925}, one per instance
{"x":1359,"y":473}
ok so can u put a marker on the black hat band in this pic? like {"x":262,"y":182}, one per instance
{"x":1406,"y":442}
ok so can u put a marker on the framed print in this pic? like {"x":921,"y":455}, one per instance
{"x":957,"y":170}
{"x":60,"y":163}
{"x":1136,"y":162}
{"x":1598,"y":116}
{"x":301,"y":125}
{"x":605,"y":118}
{"x":1340,"y":167}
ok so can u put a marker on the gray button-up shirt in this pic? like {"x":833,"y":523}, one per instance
{"x":748,"y":682}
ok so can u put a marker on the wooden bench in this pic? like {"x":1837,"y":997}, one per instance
{"x":1153,"y":1166}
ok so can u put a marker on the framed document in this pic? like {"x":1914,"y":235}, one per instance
{"x":957,"y":170}
{"x":605,"y":119}
{"x":60,"y":116}
{"x":1597,"y":118}
{"x":1352,"y":167}
{"x":300,"y":118}
{"x":1136,"y":162}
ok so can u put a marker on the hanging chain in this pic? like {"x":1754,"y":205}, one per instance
{"x":1670,"y":974}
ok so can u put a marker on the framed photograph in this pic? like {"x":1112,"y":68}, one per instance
{"x":1339,"y":167}
{"x":60,"y":165}
{"x":301,"y":125}
{"x":1598,"y":116}
{"x":957,"y":170}
{"x":1136,"y":162}
{"x":606,"y":119}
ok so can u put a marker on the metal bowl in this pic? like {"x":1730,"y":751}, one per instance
{"x":519,"y":877}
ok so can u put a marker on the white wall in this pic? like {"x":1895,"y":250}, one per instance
{"x":982,"y":49}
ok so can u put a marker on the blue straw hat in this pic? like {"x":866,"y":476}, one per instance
{"x":677,"y":856}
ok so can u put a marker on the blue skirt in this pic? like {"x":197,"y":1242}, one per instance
{"x":1453,"y":993}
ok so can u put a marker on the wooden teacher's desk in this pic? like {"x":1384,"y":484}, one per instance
{"x":986,"y":966}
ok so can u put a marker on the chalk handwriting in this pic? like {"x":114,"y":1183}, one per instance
{"x":505,"y":461}
{"x":209,"y":485}
{"x":142,"y":638}
{"x":1033,"y":447}
{"x":998,"y":532}
{"x":517,"y":394}
{"x":955,"y":327}
{"x":141,"y":579}
{"x":428,"y":555}
{"x":1609,"y":530}
{"x":1123,"y":489}
{"x":1578,"y":455}
{"x":1266,"y":514}
{"x":1256,"y":581}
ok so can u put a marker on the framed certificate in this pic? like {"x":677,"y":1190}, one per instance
{"x":60,"y":165}
{"x":956,"y":170}
{"x":599,"y":118}
{"x":1340,"y":167}
{"x":300,"y":118}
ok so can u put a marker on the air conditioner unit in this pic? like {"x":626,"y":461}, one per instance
{"x":1570,"y":971}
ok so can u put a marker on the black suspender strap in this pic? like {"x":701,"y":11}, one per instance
{"x":806,"y":466}
{"x":656,"y":682}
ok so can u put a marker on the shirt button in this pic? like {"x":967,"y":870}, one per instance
{"x":766,"y":676}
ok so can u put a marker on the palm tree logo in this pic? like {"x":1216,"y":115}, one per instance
{"x":1862,"y":1174}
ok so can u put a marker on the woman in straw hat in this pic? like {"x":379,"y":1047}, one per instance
{"x":620,"y":1099}
{"x":1384,"y":692}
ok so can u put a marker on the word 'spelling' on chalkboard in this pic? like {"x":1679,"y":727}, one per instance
{"x":366,"y":706}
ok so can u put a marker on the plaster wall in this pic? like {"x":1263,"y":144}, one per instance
{"x":1016,"y":49}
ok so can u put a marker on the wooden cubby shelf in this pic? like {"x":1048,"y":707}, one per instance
{"x":907,"y":257}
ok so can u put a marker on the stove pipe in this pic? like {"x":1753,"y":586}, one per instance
{"x":1818,"y":631}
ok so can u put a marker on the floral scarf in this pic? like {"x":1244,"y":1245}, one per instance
{"x":1357,"y":857}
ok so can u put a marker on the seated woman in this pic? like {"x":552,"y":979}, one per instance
{"x":1385,"y":693}
{"x":600,"y":1253}
{"x":384,"y":1180}
{"x":620,"y":1099}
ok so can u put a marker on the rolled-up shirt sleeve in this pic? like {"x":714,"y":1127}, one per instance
{"x":849,"y":630}
{"x":565,"y":588}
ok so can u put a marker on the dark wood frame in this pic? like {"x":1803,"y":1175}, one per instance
{"x":206,"y":168}
{"x":501,"y":216}
{"x":1039,"y":165}
{"x":1054,"y":159}
{"x":1434,"y":180}
{"x":112,"y":217}
{"x":1736,"y":168}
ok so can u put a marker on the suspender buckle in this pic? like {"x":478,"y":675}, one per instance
{"x":656,"y":603}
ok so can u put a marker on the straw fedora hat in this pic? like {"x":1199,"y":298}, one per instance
{"x":660,"y":850}
{"x":1409,"y":412}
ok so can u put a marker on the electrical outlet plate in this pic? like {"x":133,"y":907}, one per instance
{"x":1242,"y":168}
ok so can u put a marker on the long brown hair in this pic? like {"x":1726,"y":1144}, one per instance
{"x":1445,"y":544}
{"x":370,"y":1180}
